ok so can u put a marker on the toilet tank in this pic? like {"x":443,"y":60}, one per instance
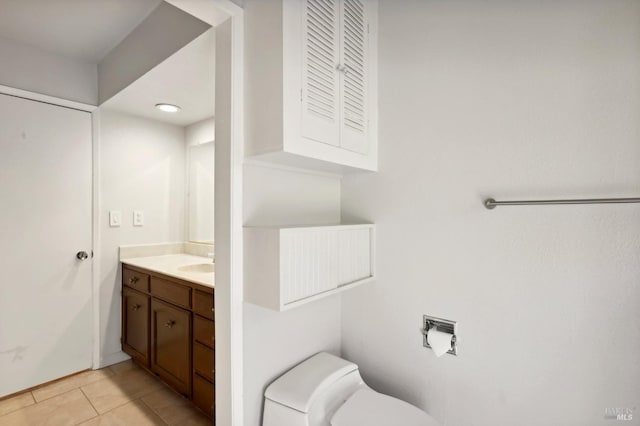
{"x":311,"y":392}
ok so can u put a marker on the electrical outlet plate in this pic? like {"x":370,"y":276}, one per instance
{"x":138,"y":218}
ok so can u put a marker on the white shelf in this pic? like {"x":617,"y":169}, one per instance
{"x":286,"y":267}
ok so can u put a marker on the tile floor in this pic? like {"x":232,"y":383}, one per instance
{"x":120,"y":395}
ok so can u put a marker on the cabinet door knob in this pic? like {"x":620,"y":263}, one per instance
{"x":135,"y":307}
{"x":133,"y":280}
{"x":169,"y":323}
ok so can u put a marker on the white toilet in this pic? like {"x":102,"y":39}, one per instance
{"x":328,"y":391}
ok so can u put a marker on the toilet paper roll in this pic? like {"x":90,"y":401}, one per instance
{"x":440,"y":342}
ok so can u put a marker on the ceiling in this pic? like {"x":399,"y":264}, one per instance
{"x":87,"y":30}
{"x":186,"y":79}
{"x":80,"y":29}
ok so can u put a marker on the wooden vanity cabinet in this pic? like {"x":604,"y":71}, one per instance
{"x":136,"y":280}
{"x":204,"y":395}
{"x":171,"y":345}
{"x":135,"y":320}
{"x":168,"y":328}
{"x":204,"y":351}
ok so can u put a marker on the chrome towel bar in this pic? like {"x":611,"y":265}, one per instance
{"x":490,"y":203}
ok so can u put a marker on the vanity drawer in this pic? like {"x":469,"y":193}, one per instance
{"x":203,"y":331}
{"x":203,"y":395}
{"x":203,"y":360}
{"x":203,"y":304}
{"x":136,"y":280}
{"x":171,"y":292}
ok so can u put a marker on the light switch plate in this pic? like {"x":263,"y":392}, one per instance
{"x":115,"y":218}
{"x":138,"y":218}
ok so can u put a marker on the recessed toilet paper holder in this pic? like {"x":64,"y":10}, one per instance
{"x":443,"y":325}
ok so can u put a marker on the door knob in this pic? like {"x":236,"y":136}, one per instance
{"x":82,"y":255}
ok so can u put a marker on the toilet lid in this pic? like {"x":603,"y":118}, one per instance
{"x":368,"y":407}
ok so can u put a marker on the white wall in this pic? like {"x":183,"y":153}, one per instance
{"x":28,"y":68}
{"x":276,"y":341}
{"x":200,"y":132}
{"x":142,"y":167}
{"x":513,"y":100}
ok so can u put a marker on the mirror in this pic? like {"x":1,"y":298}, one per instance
{"x":200,"y":196}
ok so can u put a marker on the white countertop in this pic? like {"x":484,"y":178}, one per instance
{"x":168,"y":265}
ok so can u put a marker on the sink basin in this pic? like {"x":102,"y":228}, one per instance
{"x":202,"y":268}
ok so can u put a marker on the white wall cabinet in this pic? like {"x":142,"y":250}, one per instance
{"x":288,"y":267}
{"x":312,"y":83}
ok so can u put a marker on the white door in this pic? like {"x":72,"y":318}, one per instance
{"x":45,"y":220}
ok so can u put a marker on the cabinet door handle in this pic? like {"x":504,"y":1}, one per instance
{"x":342,"y":68}
{"x":135,"y":307}
{"x":169,"y":323}
{"x":133,"y":280}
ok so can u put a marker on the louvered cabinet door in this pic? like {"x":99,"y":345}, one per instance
{"x":320,"y":76}
{"x":354,"y":58}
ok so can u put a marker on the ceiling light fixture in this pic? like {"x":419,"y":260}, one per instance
{"x":168,"y":107}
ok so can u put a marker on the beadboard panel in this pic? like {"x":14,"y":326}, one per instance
{"x":308,"y":263}
{"x":354,"y":255}
{"x":287,"y":267}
